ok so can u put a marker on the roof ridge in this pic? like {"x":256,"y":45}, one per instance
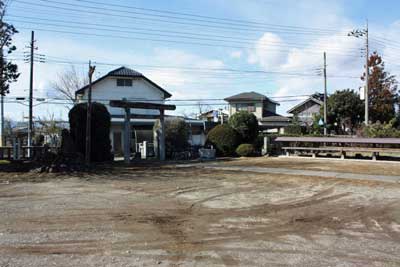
{"x":116,"y":69}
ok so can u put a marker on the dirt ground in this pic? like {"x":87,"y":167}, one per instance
{"x":168,"y":216}
{"x":365,"y":166}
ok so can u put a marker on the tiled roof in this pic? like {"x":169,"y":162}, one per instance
{"x":125,"y":72}
{"x":128,"y":73}
{"x":273,"y":117}
{"x":312,"y":98}
{"x":249,"y":96}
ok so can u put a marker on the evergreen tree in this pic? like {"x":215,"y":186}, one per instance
{"x":8,"y":70}
{"x":345,"y":111}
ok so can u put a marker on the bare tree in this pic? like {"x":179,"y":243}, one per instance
{"x":203,"y":108}
{"x":68,"y":82}
{"x":50,"y":127}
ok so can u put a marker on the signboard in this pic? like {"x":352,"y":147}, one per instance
{"x":215,"y":115}
{"x":362,"y":93}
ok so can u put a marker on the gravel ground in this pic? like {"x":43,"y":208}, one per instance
{"x":166,"y":216}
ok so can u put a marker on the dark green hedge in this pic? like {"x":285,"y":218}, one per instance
{"x":224,"y":138}
{"x":100,"y":130}
{"x":176,"y":135}
{"x":246,"y":124}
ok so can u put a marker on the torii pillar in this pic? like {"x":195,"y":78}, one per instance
{"x":162,"y":136}
{"x":127,"y":127}
{"x":127,"y":135}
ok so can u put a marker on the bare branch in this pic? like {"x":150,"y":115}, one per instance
{"x":68,"y":82}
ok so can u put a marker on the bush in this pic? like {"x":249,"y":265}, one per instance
{"x":396,"y":123}
{"x":258,"y":143}
{"x":224,"y":138}
{"x":246,"y":124}
{"x":100,"y":131}
{"x":245,"y":150}
{"x":294,"y":127}
{"x":377,"y":130}
{"x":176,"y":135}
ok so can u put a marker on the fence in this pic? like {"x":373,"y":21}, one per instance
{"x":18,"y":152}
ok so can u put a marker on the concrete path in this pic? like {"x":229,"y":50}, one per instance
{"x":328,"y":174}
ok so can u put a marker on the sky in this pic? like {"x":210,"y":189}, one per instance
{"x":202,"y":51}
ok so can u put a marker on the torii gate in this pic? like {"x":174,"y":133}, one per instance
{"x":127,"y":105}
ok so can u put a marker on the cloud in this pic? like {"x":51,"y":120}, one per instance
{"x":179,"y":81}
{"x":344,"y":65}
{"x":236,"y":54}
{"x":265,"y":51}
{"x":387,"y":44}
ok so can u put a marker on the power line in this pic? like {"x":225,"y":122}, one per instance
{"x":22,"y":98}
{"x":213,"y":70}
{"x":177,"y":104}
{"x":177,"y":34}
{"x":311,"y":68}
{"x":193,"y":18}
{"x":90,"y":11}
{"x":246,"y":22}
{"x":182,"y":35}
{"x":90,"y":34}
{"x":386,"y":42}
{"x":124,"y":11}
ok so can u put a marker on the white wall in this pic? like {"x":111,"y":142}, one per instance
{"x":141,"y":91}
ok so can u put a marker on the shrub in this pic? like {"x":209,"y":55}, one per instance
{"x":245,"y":150}
{"x":377,"y":130}
{"x":100,"y":131}
{"x":396,"y":123}
{"x":246,"y":124}
{"x":176,"y":135}
{"x":294,"y":127}
{"x":258,"y":142}
{"x":224,"y":138}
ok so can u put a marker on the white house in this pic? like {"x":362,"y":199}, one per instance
{"x":124,"y":83}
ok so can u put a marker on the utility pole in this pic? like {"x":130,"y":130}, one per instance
{"x":89,"y":115}
{"x":30,"y":123}
{"x":358,"y":34}
{"x":366,"y":77}
{"x":325,"y":98}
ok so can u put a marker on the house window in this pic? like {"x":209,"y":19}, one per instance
{"x":124,"y":82}
{"x":250,"y":107}
{"x":240,"y":107}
